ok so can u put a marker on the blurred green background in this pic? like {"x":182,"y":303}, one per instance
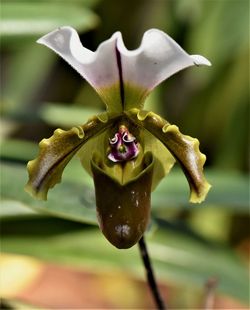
{"x":40,"y":92}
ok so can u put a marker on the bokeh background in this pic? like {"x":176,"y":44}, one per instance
{"x":53,"y":254}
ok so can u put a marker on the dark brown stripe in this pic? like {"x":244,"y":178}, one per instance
{"x":40,"y":183}
{"x":119,"y":64}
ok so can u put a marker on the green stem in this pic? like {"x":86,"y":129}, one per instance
{"x":150,"y":276}
{"x":210,"y":288}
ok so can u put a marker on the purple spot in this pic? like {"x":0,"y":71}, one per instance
{"x":123,"y":146}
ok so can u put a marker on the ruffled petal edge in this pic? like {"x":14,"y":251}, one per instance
{"x":185,"y":150}
{"x":46,"y":170}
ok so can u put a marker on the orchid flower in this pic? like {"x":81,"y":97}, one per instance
{"x":126,"y":149}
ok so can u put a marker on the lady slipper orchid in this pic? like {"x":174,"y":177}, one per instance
{"x":126,"y":149}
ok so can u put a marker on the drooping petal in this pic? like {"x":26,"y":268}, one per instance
{"x":184,"y":148}
{"x":157,"y":58}
{"x":99,"y":68}
{"x":55,"y":153}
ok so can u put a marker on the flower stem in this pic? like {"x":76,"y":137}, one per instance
{"x":210,"y":288}
{"x":150,"y":275}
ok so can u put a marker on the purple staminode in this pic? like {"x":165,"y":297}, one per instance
{"x":123,"y":146}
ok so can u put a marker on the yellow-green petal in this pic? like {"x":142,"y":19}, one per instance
{"x":55,"y":153}
{"x":184,"y":148}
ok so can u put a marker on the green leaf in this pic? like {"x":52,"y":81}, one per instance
{"x":216,"y":35}
{"x":38,"y":18}
{"x":74,"y":198}
{"x":229,"y":190}
{"x":177,"y":258}
{"x":22,"y":24}
{"x":66,"y":115}
{"x":86,"y":3}
{"x":15,"y":209}
{"x":20,"y":150}
{"x":24,"y":77}
{"x":73,"y":201}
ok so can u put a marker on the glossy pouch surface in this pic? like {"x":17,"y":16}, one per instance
{"x":123,"y":210}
